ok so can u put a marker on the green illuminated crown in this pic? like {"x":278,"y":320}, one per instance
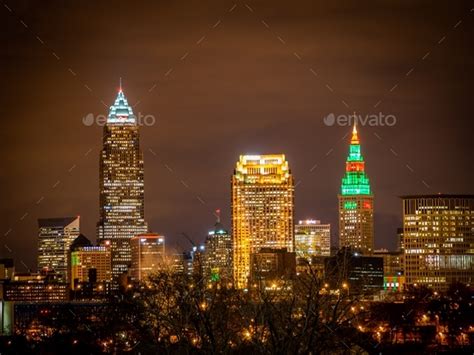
{"x":355,"y":180}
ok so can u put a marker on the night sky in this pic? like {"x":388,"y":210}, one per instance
{"x":224,"y":78}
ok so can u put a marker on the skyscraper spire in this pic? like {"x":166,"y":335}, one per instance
{"x":356,"y":208}
{"x":355,"y":181}
{"x":218,"y":225}
{"x":121,"y":112}
{"x":355,"y":137}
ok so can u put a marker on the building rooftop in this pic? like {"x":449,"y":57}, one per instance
{"x":405,"y":197}
{"x":80,"y":241}
{"x":56,"y":222}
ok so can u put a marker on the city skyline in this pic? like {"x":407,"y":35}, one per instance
{"x":335,"y":238}
{"x":236,"y":177}
{"x":423,"y":103}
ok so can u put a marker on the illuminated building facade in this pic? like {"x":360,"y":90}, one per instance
{"x":262,"y":210}
{"x":392,"y":261}
{"x":89,"y":263}
{"x":122,"y":211}
{"x":218,"y":253}
{"x":54,"y":241}
{"x":148,"y":255}
{"x":36,"y":287}
{"x":197,"y":261}
{"x":438,"y":238}
{"x":312,"y":239}
{"x":271,"y":266}
{"x":356,"y":203}
{"x":357,"y":273}
{"x":394,"y":279}
{"x":176,"y":263}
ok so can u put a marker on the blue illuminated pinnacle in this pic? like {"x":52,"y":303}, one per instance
{"x":121,"y":112}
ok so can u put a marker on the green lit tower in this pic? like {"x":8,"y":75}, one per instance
{"x":356,"y":203}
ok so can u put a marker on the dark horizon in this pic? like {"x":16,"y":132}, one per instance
{"x":224,"y":80}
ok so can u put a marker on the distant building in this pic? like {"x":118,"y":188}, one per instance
{"x":175,"y":263}
{"x":394,"y":278}
{"x":7,"y":268}
{"x":438,"y":238}
{"x":36,"y":287}
{"x":356,"y":203}
{"x":312,"y":239}
{"x":262,"y":210}
{"x":218,"y":253}
{"x":181,"y":263}
{"x":355,"y":272}
{"x":392,"y":264}
{"x":314,"y":265}
{"x":90,"y":264}
{"x":269,"y":266}
{"x":400,"y":244}
{"x":148,"y":255}
{"x":122,"y":191}
{"x":197,"y":260}
{"x":54,"y":241}
{"x":7,"y":316}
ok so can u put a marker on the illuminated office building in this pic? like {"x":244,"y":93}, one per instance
{"x":89,"y":263}
{"x":46,"y":286}
{"x":438,"y":238}
{"x":262,"y":210}
{"x":122,"y":211}
{"x":197,"y":261}
{"x":356,"y":203}
{"x":176,"y":263}
{"x":271,"y":267}
{"x":394,"y":278}
{"x":218,"y":252}
{"x":351,"y":271}
{"x":55,"y":237}
{"x":312,"y":239}
{"x":148,"y":255}
{"x":392,"y":261}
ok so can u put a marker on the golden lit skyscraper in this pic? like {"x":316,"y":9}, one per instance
{"x":121,"y":184}
{"x":438,"y":238}
{"x":262,"y":210}
{"x":54,"y":240}
{"x":356,"y":203}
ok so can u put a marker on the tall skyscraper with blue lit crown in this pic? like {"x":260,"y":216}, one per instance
{"x":356,"y":203}
{"x":122,"y":208}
